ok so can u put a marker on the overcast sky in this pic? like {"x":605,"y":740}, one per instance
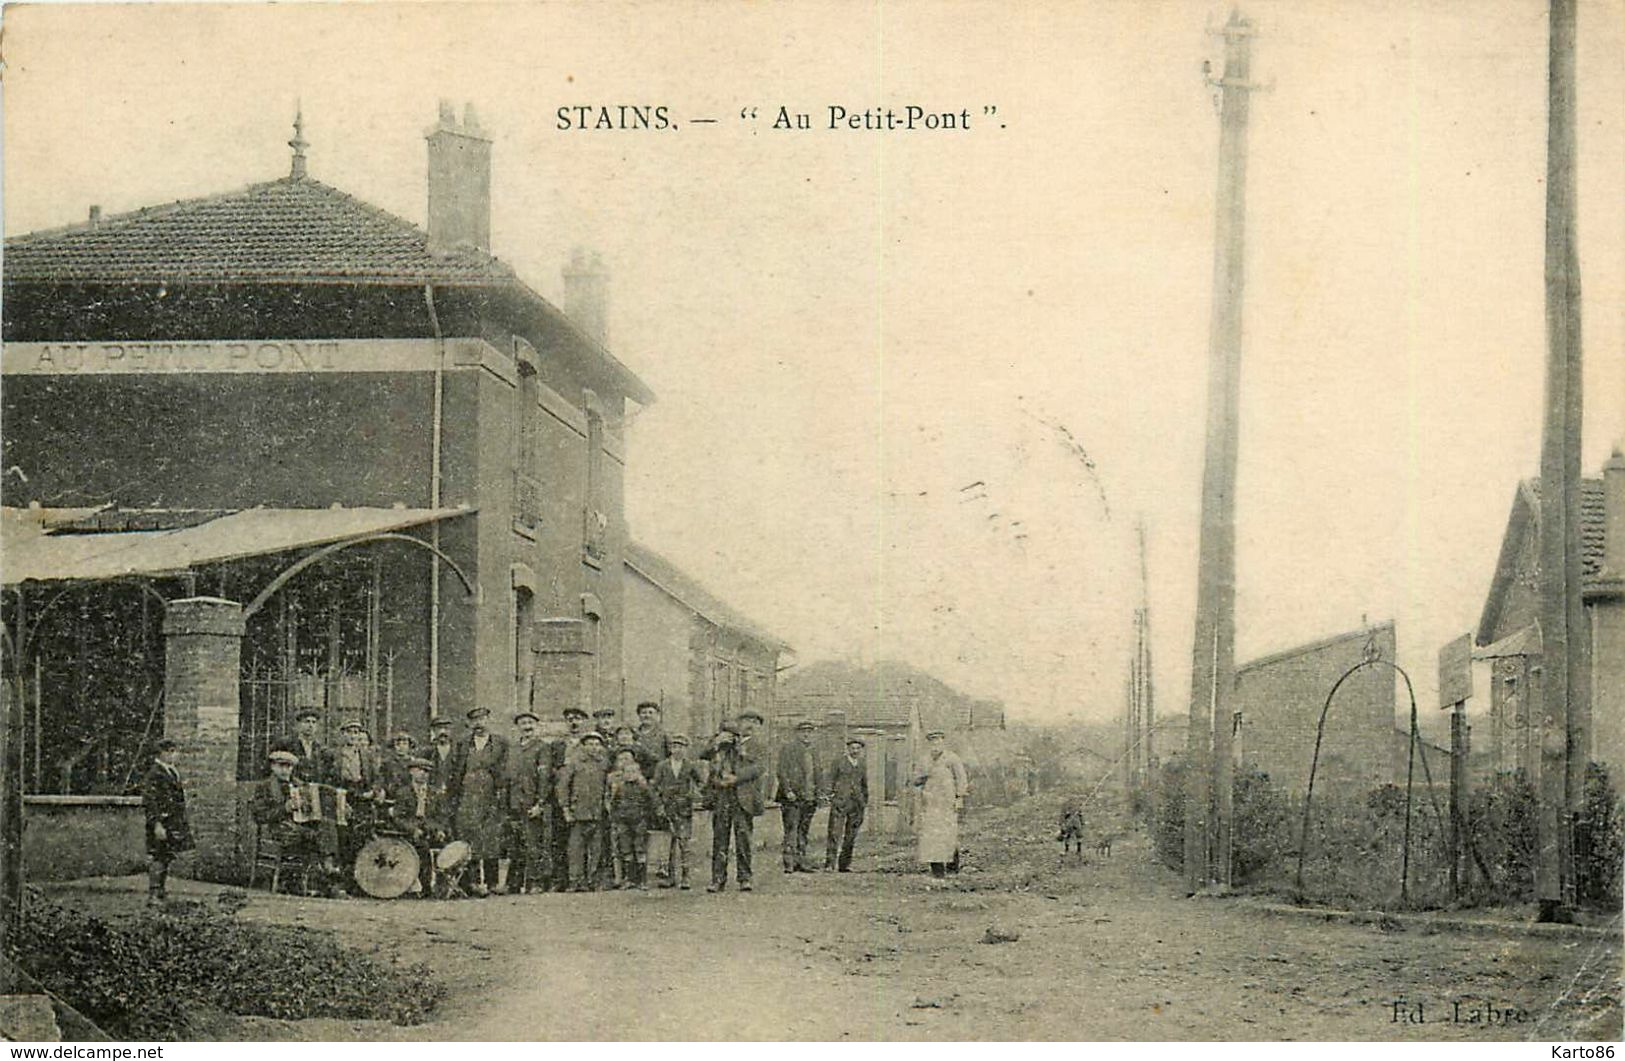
{"x":846,"y":328}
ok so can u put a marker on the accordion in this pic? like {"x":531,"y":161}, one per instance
{"x":321,"y":803}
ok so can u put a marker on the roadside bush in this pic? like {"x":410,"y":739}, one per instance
{"x":1501,"y":821}
{"x":1599,"y":841}
{"x":1262,"y":834}
{"x":143,"y":977}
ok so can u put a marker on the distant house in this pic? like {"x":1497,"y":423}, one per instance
{"x":1509,"y":636}
{"x":1280,"y":698}
{"x":688,"y":651}
{"x":892,"y":705}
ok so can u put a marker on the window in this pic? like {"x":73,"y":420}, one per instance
{"x":595,"y":523}
{"x":527,"y":492}
{"x":524,"y":655}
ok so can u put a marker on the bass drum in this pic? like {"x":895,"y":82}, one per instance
{"x":386,"y":867}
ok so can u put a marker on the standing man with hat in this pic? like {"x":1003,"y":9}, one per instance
{"x":575,"y":721}
{"x":480,"y":766}
{"x":312,"y":759}
{"x":442,"y":753}
{"x":942,"y":781}
{"x":163,"y":797}
{"x":652,"y":744}
{"x":848,"y":802}
{"x":530,"y":790}
{"x":801,"y":778}
{"x":736,"y":780}
{"x":676,"y":784}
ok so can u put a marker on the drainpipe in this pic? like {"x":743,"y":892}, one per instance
{"x":434,"y":503}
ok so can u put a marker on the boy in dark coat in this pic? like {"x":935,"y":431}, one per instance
{"x":677,"y":783}
{"x":631,"y":807}
{"x":580,"y":793}
{"x":168,"y":833}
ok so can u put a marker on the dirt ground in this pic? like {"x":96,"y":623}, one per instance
{"x":1105,"y":950}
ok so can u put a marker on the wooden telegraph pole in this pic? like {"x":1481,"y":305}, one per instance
{"x":1209,"y":774}
{"x":1565,"y":721}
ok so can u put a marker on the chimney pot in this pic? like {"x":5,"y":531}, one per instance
{"x":459,"y":183}
{"x":586,"y":293}
{"x":1613,"y":518}
{"x":95,"y":216}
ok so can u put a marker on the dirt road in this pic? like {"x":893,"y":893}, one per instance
{"x":1107,"y":950}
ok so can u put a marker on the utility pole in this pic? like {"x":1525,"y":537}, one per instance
{"x":1209,"y":774}
{"x":1565,"y":722}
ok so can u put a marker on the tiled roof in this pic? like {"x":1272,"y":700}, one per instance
{"x":292,"y":230}
{"x":1593,"y":526}
{"x":677,"y":584}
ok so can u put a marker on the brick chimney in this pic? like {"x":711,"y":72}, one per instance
{"x":586,"y":293}
{"x":459,"y":182}
{"x":1613,"y":515}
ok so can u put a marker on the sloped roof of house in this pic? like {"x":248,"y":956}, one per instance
{"x":294,"y":230}
{"x":677,"y":584}
{"x":1523,"y":520}
{"x":885,"y":695}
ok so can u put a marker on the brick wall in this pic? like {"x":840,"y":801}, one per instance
{"x":203,"y":646}
{"x":1281,"y":697}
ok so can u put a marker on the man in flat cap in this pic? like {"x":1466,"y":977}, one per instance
{"x":575,"y":721}
{"x":848,"y":802}
{"x":419,"y":811}
{"x":442,"y":753}
{"x":272,"y":807}
{"x":480,"y":766}
{"x":736,"y":784}
{"x":530,"y":790}
{"x":163,"y":798}
{"x":314,"y":760}
{"x":800,"y":780}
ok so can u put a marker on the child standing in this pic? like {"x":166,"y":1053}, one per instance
{"x":677,"y":784}
{"x":168,"y":832}
{"x":631,"y":806}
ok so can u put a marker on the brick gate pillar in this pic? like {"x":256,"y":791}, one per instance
{"x":564,"y":672}
{"x":203,"y":640}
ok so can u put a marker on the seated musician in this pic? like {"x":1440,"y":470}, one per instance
{"x":274,"y":802}
{"x":418,"y":809}
{"x":355,"y":769}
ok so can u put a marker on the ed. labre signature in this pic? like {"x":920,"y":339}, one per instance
{"x":1482,"y":1011}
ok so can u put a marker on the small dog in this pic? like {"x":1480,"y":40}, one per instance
{"x":1071,"y":835}
{"x":1103,"y":849}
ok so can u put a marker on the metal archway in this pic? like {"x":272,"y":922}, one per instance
{"x":1410,"y":768}
{"x":322,"y":554}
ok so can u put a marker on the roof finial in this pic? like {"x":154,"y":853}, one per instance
{"x":298,"y":143}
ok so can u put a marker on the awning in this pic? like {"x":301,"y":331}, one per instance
{"x":35,"y":547}
{"x":1525,"y":642}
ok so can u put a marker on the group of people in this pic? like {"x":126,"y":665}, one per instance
{"x":606,"y":805}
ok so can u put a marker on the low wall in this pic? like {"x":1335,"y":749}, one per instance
{"x":67,"y":837}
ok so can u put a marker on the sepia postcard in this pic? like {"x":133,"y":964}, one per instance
{"x":864,"y":521}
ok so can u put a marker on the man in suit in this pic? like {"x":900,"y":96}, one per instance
{"x":442,"y":749}
{"x":272,"y":806}
{"x":168,"y":832}
{"x":575,"y":720}
{"x":848,"y":800}
{"x":653,"y":746}
{"x":676,"y":785}
{"x":418,"y":810}
{"x":530,"y":788}
{"x":736,"y":782}
{"x":801,"y":779}
{"x":314,"y":760}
